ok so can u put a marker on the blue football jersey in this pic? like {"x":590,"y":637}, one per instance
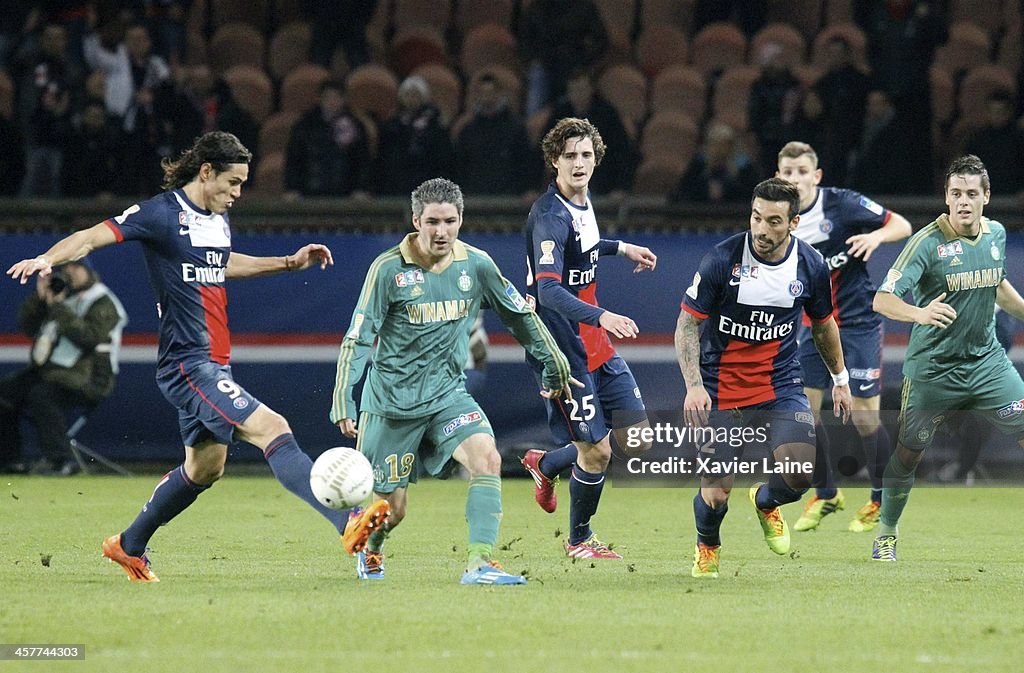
{"x":752,"y":310}
{"x":563,"y":243}
{"x":836,"y":215}
{"x":186,"y":250}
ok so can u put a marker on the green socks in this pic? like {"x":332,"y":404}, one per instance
{"x":483,"y":514}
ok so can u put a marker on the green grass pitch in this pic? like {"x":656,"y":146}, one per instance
{"x":253,"y":581}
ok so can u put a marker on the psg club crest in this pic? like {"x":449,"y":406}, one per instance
{"x":825,"y":226}
{"x":795,"y":288}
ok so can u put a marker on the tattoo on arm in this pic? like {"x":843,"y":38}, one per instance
{"x":687,"y":340}
{"x":826,"y":340}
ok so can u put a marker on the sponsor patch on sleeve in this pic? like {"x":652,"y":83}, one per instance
{"x":875,"y":208}
{"x":691,"y":291}
{"x":547,"y":250}
{"x":891,"y":279}
{"x":513,"y":294}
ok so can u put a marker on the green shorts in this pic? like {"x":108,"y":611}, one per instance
{"x":394,"y":445}
{"x":992,"y":387}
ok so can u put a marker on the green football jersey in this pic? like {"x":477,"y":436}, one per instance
{"x":421,"y":321}
{"x":936,"y":260}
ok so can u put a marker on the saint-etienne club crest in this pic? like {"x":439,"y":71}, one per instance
{"x":465,"y":282}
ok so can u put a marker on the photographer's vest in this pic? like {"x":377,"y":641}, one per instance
{"x":65,"y":353}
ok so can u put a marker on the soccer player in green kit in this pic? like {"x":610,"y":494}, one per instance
{"x":418,"y":302}
{"x":956,"y":269}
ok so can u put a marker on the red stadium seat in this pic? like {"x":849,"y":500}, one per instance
{"x":675,"y":13}
{"x":414,"y":47}
{"x":6,"y":96}
{"x":679,"y":88}
{"x":657,"y":177}
{"x":275,"y":131}
{"x":445,"y":89}
{"x":732,"y":93}
{"x":374,"y":90}
{"x":270,"y":174}
{"x":422,"y":14}
{"x":968,"y":46}
{"x":717,"y":47}
{"x":853,"y":35}
{"x":472,"y":13}
{"x":659,"y":47}
{"x":792,"y":43}
{"x":670,"y":136}
{"x":487,"y":45}
{"x":256,"y":13}
{"x":804,"y":15}
{"x":300,"y":89}
{"x":252,"y":90}
{"x":235,"y":44}
{"x":288,"y":48}
{"x":625,"y":88}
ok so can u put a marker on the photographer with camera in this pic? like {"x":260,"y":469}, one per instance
{"x":75,"y":322}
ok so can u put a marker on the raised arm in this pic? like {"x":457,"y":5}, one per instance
{"x":75,"y":246}
{"x":896,"y":229}
{"x":246,"y":266}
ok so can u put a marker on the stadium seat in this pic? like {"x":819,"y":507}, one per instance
{"x":472,"y":13}
{"x":656,"y":177}
{"x":731,"y":95}
{"x":256,"y":13}
{"x":853,"y":35}
{"x":422,"y":14}
{"x":252,"y":90}
{"x":6,"y":96}
{"x":994,"y":16}
{"x":803,"y":15}
{"x":979,"y":83}
{"x":445,"y":89}
{"x":270,"y":175}
{"x":283,"y":12}
{"x":968,"y":46}
{"x":275,"y":131}
{"x":235,"y":44}
{"x":374,"y":90}
{"x":717,"y":47}
{"x":794,"y":47}
{"x":675,"y":13}
{"x":625,"y":88}
{"x":658,"y":47}
{"x":537,"y":125}
{"x":487,"y":45}
{"x":414,"y":47}
{"x":195,"y":49}
{"x":300,"y":89}
{"x":618,"y":17}
{"x":679,"y":88}
{"x":807,"y":74}
{"x":671,"y":137}
{"x":288,"y":48}
{"x":1011,"y":47}
{"x":943,"y":93}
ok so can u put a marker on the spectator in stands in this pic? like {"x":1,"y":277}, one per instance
{"x":902,"y":38}
{"x":414,"y":145}
{"x":583,"y":101}
{"x":492,"y":151}
{"x":96,"y":148}
{"x":165,"y":20}
{"x":878,"y":165}
{"x":328,"y":151}
{"x":18,"y":25}
{"x":556,"y":37}
{"x":135,"y":79}
{"x":843,"y":91}
{"x":720,"y":172}
{"x":75,"y":322}
{"x":49,"y":89}
{"x":808,"y":123}
{"x":198,"y":104}
{"x":775,"y":98}
{"x":340,"y":22}
{"x":12,"y":158}
{"x":1000,"y":144}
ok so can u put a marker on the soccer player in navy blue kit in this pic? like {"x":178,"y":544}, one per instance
{"x":750,"y":293}
{"x":845,"y":227}
{"x":563,"y":246}
{"x":186,"y":238}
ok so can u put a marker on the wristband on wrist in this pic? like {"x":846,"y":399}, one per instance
{"x":621,"y":252}
{"x":288,"y":265}
{"x":842,"y":378}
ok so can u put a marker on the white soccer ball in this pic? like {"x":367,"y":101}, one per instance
{"x":341,"y":478}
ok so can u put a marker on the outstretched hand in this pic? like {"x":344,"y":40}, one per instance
{"x":644,"y":258}
{"x":24,"y":269}
{"x":565,"y":391}
{"x":937,"y":313}
{"x":311,"y":255}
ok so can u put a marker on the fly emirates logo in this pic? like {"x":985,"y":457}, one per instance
{"x":214,"y":273}
{"x":760,"y":327}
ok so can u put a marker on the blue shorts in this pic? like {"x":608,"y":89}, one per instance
{"x":609,"y":399}
{"x":210,"y":404}
{"x":786,"y":420}
{"x":862,"y":352}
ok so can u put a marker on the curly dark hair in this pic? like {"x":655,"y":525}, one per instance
{"x":570,"y":127}
{"x":217,"y":148}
